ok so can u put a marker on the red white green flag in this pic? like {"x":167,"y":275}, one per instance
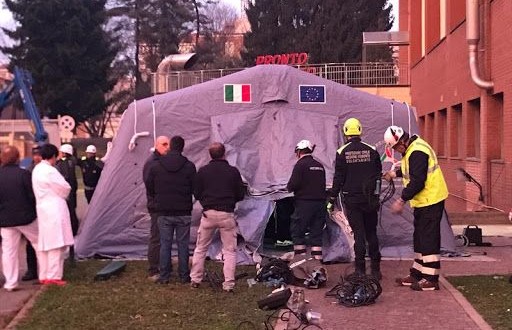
{"x":237,"y":93}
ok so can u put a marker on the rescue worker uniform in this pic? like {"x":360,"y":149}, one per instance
{"x":357,"y":170}
{"x":91,"y":171}
{"x":307,"y":183}
{"x":426,"y":190}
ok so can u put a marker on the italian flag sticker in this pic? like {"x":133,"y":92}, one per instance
{"x":237,"y":93}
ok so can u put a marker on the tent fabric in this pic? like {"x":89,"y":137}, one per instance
{"x":260,"y":137}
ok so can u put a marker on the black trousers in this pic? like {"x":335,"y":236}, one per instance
{"x":427,"y":238}
{"x":88,"y":195}
{"x":71,"y":201}
{"x":308,"y":214}
{"x":31,"y":259}
{"x":154,"y":247}
{"x":363,"y":221}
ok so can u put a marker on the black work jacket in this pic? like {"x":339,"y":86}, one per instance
{"x":308,"y":179}
{"x":357,"y":169}
{"x":219,"y":186}
{"x":17,"y":201}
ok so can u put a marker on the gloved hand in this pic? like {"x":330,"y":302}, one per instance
{"x":330,"y":204}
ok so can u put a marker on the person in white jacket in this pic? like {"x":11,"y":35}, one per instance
{"x":55,"y":234}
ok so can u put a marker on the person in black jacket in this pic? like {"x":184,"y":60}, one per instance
{"x":357,"y":173}
{"x":161,"y":148}
{"x":307,"y":183}
{"x":169,"y":186}
{"x":66,"y":165}
{"x":91,"y":171}
{"x":218,"y":187}
{"x":17,"y":213}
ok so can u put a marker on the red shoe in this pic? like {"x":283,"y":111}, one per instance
{"x":43,"y":282}
{"x":56,"y":282}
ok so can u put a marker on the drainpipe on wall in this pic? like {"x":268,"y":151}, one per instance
{"x":473,"y":36}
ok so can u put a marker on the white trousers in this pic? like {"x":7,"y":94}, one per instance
{"x":51,"y":264}
{"x":11,"y":239}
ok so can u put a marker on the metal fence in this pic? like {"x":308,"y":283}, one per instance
{"x":352,"y":74}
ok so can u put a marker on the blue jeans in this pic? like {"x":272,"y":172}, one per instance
{"x":167,"y":226}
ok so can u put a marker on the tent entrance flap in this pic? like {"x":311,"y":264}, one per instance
{"x":261,"y":143}
{"x":277,"y":231}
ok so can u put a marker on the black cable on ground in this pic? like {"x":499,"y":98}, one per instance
{"x":356,"y":290}
{"x":253,"y":326}
{"x":286,"y":317}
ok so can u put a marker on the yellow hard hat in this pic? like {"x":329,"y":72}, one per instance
{"x":352,"y":127}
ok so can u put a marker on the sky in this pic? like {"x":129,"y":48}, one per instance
{"x":7,"y":21}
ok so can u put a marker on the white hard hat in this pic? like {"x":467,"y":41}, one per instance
{"x":393,"y":135}
{"x":304,"y":144}
{"x":66,"y":148}
{"x":90,"y":149}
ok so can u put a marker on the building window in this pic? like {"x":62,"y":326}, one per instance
{"x":496,"y":126}
{"x":421,"y":123}
{"x":473,"y":129}
{"x":442,"y":133}
{"x":456,"y":13}
{"x":455,"y":130}
{"x":416,"y":33}
{"x":432,"y":23}
{"x":429,"y":128}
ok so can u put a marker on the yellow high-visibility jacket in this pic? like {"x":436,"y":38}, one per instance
{"x":435,"y":189}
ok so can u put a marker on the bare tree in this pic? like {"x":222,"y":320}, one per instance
{"x":221,"y":16}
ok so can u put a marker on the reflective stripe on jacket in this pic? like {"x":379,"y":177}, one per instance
{"x":435,"y":189}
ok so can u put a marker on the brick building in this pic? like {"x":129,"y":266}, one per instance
{"x":469,"y":126}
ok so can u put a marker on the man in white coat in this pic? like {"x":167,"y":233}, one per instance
{"x":55,"y":234}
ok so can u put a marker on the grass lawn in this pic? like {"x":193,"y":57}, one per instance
{"x":131,"y":301}
{"x":491,"y":296}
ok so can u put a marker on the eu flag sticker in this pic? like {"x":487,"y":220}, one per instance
{"x":312,"y":94}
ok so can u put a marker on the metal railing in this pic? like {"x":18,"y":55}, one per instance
{"x":352,"y":74}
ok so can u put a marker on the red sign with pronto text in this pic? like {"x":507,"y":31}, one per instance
{"x":291,"y":58}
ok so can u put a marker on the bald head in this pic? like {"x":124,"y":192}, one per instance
{"x":217,"y":150}
{"x":162,"y":144}
{"x":10,"y":155}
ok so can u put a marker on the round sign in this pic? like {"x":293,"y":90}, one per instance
{"x":66,"y":123}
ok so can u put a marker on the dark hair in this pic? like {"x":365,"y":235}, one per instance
{"x":48,"y":151}
{"x":10,"y":155}
{"x":177,"y":143}
{"x":217,"y":150}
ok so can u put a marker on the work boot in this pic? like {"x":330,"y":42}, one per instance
{"x":360,"y":270}
{"x":406,"y":281}
{"x":375,"y":270}
{"x":29,"y":276}
{"x":425,"y":285}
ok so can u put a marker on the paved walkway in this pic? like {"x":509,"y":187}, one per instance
{"x":396,"y":308}
{"x":403,"y":308}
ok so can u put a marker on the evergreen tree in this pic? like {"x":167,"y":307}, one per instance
{"x":63,"y":44}
{"x":277,"y":26}
{"x":329,"y":30}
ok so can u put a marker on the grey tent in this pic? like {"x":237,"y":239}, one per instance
{"x":259,"y":114}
